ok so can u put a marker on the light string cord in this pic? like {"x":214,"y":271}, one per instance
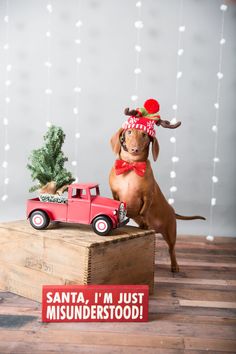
{"x":138,"y":24}
{"x":216,"y":160}
{"x":179,"y":74}
{"x":5,"y":163}
{"x":77,"y":91}
{"x":48,"y":64}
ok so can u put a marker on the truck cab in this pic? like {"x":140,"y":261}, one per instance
{"x":80,"y":197}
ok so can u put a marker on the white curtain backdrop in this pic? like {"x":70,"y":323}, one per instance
{"x":106,"y":78}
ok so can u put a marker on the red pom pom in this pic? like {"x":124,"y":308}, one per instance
{"x":152,"y":106}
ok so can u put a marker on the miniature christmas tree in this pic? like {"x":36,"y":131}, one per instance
{"x":47,"y":164}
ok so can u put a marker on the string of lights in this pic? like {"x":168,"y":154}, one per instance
{"x":216,"y":160}
{"x":5,"y":122}
{"x":48,"y":64}
{"x":175,"y":106}
{"x":138,"y":24}
{"x":77,"y":91}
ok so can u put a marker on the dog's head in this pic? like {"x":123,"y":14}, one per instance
{"x":133,"y":140}
{"x":134,"y":143}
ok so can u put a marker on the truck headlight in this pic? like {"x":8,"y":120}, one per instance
{"x":122,"y":212}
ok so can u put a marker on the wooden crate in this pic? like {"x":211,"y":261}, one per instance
{"x":72,"y":254}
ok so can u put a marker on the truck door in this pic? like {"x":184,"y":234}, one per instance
{"x":79,"y":206}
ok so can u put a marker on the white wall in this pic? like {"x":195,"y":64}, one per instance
{"x":107,"y":80}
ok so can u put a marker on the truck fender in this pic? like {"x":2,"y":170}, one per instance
{"x":114,"y":222}
{"x":43,"y":210}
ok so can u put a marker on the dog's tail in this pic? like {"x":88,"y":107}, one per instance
{"x":194,"y":217}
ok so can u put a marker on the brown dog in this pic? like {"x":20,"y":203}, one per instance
{"x":145,"y":202}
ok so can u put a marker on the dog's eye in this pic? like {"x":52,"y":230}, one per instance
{"x":144,"y":135}
{"x":129,"y":132}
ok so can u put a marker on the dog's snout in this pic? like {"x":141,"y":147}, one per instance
{"x":134,"y":149}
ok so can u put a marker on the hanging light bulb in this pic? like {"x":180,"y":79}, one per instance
{"x":138,"y":48}
{"x":134,"y":98}
{"x":5,"y":121}
{"x":175,"y":107}
{"x":223,"y":7}
{"x":180,"y":51}
{"x":138,"y":24}
{"x":214,"y":179}
{"x":213,"y":201}
{"x":75,"y":110}
{"x":182,"y":28}
{"x":175,"y":159}
{"x":210,"y":238}
{"x":4,"y":197}
{"x":79,"y":23}
{"x":137,"y":71}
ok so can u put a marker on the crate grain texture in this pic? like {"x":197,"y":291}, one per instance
{"x":72,"y":254}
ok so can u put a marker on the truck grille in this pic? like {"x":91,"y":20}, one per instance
{"x":122,"y":212}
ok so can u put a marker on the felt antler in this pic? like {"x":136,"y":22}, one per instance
{"x":166,"y":124}
{"x":133,"y":112}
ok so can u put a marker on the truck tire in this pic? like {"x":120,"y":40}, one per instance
{"x":39,"y":220}
{"x":102,"y":225}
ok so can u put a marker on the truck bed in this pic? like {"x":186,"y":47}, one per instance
{"x":56,"y":211}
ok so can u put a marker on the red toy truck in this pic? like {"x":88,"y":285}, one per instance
{"x":84,"y":205}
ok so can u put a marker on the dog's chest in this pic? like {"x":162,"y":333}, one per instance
{"x":129,"y":183}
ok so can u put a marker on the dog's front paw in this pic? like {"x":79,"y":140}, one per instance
{"x":143,"y":226}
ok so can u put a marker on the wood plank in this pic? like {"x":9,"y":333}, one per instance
{"x":97,"y":338}
{"x":158,"y":307}
{"x":215,"y":282}
{"x":223,"y":258}
{"x":195,"y":272}
{"x":200,"y":238}
{"x":176,"y":328}
{"x":225,"y":346}
{"x":198,"y":264}
{"x":217,"y":304}
{"x":197,"y":319}
{"x":167,"y":291}
{"x":48,"y":348}
{"x":118,"y":339}
{"x":16,"y":310}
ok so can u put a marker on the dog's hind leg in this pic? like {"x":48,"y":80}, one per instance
{"x":170,"y":238}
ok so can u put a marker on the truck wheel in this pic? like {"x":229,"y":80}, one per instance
{"x":102,"y":225}
{"x":39,"y":220}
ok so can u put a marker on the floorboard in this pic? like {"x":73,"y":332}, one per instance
{"x":192,"y":312}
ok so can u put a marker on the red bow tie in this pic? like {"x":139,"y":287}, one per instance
{"x":123,"y":166}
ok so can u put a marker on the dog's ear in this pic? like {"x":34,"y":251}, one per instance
{"x":155,"y":148}
{"x":115,"y":141}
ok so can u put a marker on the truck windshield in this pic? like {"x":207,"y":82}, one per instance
{"x":94,"y":191}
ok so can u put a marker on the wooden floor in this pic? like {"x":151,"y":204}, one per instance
{"x":190,"y":312}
